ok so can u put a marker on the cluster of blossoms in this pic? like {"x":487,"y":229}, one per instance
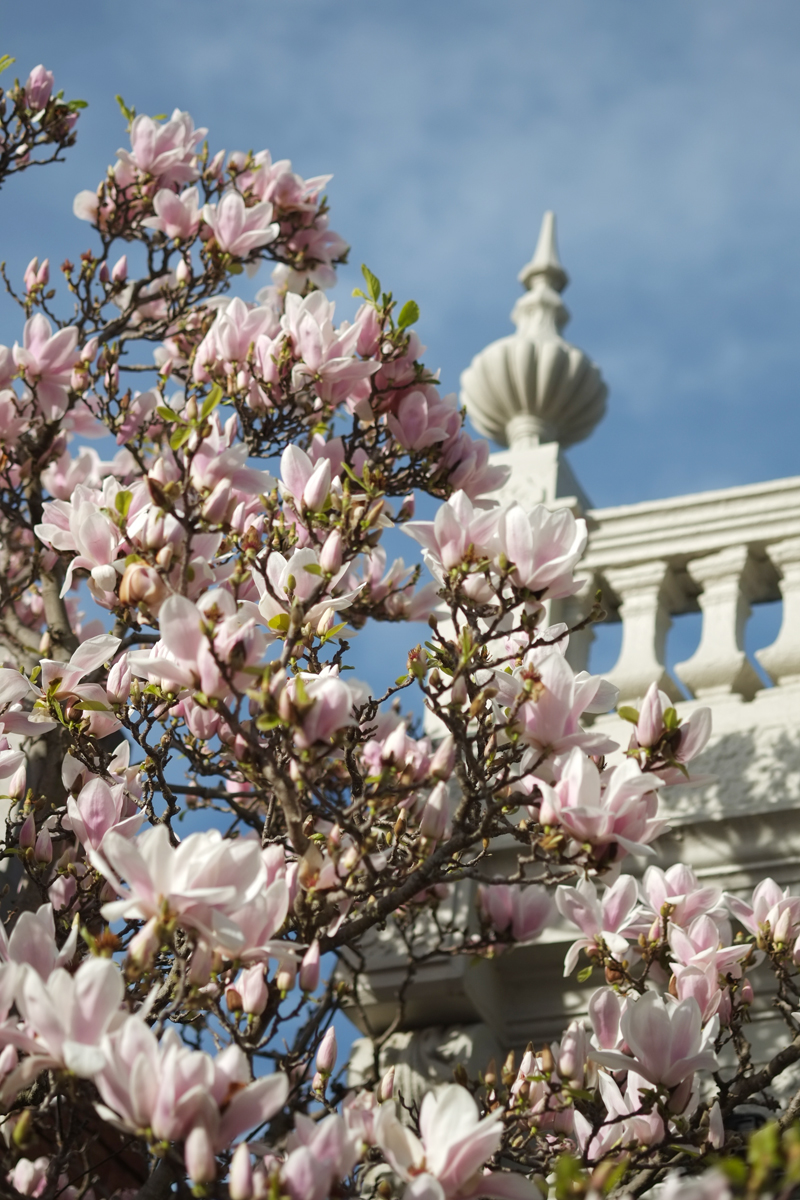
{"x":170,"y":994}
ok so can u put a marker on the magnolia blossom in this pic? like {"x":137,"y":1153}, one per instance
{"x":32,"y":942}
{"x":237,"y":229}
{"x":99,"y":808}
{"x":176,"y":216}
{"x":447,"y":1159}
{"x":325,"y":354}
{"x":603,"y":920}
{"x":687,"y":739}
{"x":665,"y":1039}
{"x":619,"y":809}
{"x":526,"y":910}
{"x":65,"y":1019}
{"x":545,"y":547}
{"x":164,"y":151}
{"x":773,"y":913}
{"x":625,"y":1125}
{"x":170,"y":1090}
{"x":198,"y":885}
{"x":46,"y":360}
{"x":320,"y":1152}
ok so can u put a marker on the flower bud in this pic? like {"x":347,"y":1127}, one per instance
{"x":330,"y":556}
{"x":444,"y":759}
{"x":326,"y":1055}
{"x":43,"y":850}
{"x":309,"y":968}
{"x":286,"y":976}
{"x":142,"y":585}
{"x":118,"y":687}
{"x":315,"y":493}
{"x":386,"y":1086}
{"x":433,"y":821}
{"x":240,"y":1180}
{"x":183,"y":272}
{"x":104,"y":577}
{"x":145,"y":944}
{"x":198,"y":1154}
{"x":27,"y":834}
{"x":253,"y":989}
{"x":119,"y":272}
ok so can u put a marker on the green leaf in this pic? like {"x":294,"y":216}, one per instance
{"x":401,"y":679}
{"x":169,"y":414}
{"x":152,"y":689}
{"x":280,"y":622}
{"x":235,"y":268}
{"x":409,"y":314}
{"x":179,"y":436}
{"x":628,"y":714}
{"x":5,"y":62}
{"x":211,"y":401}
{"x":74,"y":105}
{"x":671,"y":720}
{"x":373,"y":283}
{"x":265,"y":722}
{"x":313,"y":569}
{"x":333,"y":631}
{"x":361,"y":295}
{"x":122,"y":502}
{"x":301,"y":695}
{"x":584,"y":974}
{"x":93,"y":706}
{"x":128,"y":113}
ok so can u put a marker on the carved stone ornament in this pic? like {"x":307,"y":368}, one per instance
{"x":535,"y":387}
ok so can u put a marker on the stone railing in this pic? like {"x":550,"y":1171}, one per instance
{"x":717,"y":552}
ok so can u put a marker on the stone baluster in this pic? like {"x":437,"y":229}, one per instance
{"x":647,"y":592}
{"x":781,"y":660}
{"x":720,"y":665}
{"x":572,"y":610}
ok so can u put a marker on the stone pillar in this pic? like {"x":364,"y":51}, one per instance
{"x":720,"y":666}
{"x":781,"y":660}
{"x":647,"y":593}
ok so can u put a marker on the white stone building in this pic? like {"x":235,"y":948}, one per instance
{"x":716,"y":552}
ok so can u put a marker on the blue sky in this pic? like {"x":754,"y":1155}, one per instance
{"x":664,"y":136}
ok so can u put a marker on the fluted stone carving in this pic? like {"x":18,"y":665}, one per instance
{"x":534,"y":387}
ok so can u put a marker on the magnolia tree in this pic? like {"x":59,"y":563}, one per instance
{"x":176,"y":622}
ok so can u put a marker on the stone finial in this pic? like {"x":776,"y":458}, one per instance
{"x":535,"y":387}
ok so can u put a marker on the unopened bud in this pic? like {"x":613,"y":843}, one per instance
{"x":326,"y":1055}
{"x":233,"y":999}
{"x":145,"y":944}
{"x":198,"y":1154}
{"x":240,"y":1180}
{"x":330,"y":556}
{"x":444,"y":759}
{"x":386,"y":1086}
{"x":253,"y":990}
{"x":27,"y":834}
{"x":309,"y":968}
{"x":43,"y":850}
{"x":286,"y":976}
{"x":119,"y":272}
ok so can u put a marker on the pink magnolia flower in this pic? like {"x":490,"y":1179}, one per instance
{"x":176,"y":216}
{"x":33,"y":943}
{"x":46,"y":360}
{"x":619,"y":809}
{"x":302,"y":570}
{"x":197,"y":884}
{"x":447,"y":1159}
{"x":39,"y":88}
{"x":330,"y":709}
{"x":666,"y":1041}
{"x":549,"y":717}
{"x":421,"y":422}
{"x":692,"y":734}
{"x":773,"y":910}
{"x":466,"y":461}
{"x":525,"y":910}
{"x":165,"y":151}
{"x":239,"y":230}
{"x":625,"y":1124}
{"x":189,"y":658}
{"x":225,"y":348}
{"x":65,"y":1019}
{"x":78,"y":525}
{"x":99,"y":808}
{"x":326,"y":355}
{"x":604,"y":920}
{"x":544,"y":547}
{"x":680,"y":890}
{"x":459,"y":535}
{"x":170,"y":1090}
{"x":320,"y":1152}
{"x":62,"y":682}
